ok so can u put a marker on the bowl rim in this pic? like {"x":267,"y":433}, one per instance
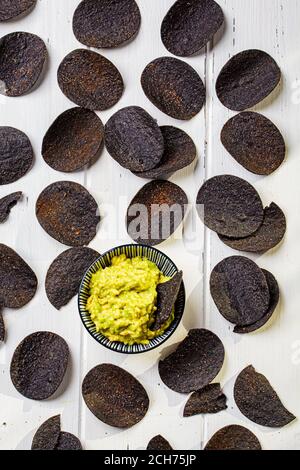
{"x":107,"y":346}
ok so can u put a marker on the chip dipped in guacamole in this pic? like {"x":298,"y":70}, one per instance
{"x":123,"y":300}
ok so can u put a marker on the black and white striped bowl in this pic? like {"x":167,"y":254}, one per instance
{"x":166,"y":266}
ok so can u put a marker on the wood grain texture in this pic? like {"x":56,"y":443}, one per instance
{"x":272,"y":25}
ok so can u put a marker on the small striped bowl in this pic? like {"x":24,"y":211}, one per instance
{"x":166,"y":266}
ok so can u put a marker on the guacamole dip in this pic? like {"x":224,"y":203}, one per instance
{"x":123,"y":298}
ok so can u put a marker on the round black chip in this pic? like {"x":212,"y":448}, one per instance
{"x":134,"y":140}
{"x":11,"y":9}
{"x":174,"y":87}
{"x":274,"y":299}
{"x":240,"y":290}
{"x":106,"y":23}
{"x":22,"y":60}
{"x":114,"y":396}
{"x":230,"y":206}
{"x":189,"y":25}
{"x":18,"y":283}
{"x":179,"y":152}
{"x":68,"y":213}
{"x":233,"y":437}
{"x":268,"y":235}
{"x":39,"y":365}
{"x":16,"y":155}
{"x":254,"y":142}
{"x":247,"y":79}
{"x":90,"y":80}
{"x":156,"y":212}
{"x":65,"y":274}
{"x":73,"y":140}
{"x":195,"y":362}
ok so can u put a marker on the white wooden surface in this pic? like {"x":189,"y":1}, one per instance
{"x":272,"y":25}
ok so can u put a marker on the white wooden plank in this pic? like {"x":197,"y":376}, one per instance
{"x":33,"y":114}
{"x":271,"y":26}
{"x":116,"y":187}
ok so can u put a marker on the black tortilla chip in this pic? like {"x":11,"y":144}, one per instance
{"x":65,"y":274}
{"x":22,"y":60}
{"x":16,"y":155}
{"x":2,"y":327}
{"x":108,"y":23}
{"x":134,"y":140}
{"x":174,"y":87}
{"x":195,"y":362}
{"x":68,"y":213}
{"x":50,"y":437}
{"x":189,"y":25}
{"x":90,"y":80}
{"x":18,"y":283}
{"x":156,"y":212}
{"x":47,"y":435}
{"x":258,"y":401}
{"x":114,"y":396}
{"x":39,"y":365}
{"x":254,"y":142}
{"x":274,"y":299}
{"x":7,"y":203}
{"x":167,"y":294}
{"x":68,"y":441}
{"x":73,"y":140}
{"x":247,"y":79}
{"x":230,"y":206}
{"x":10,"y":9}
{"x":159,"y":443}
{"x":240,"y":291}
{"x":180,"y":151}
{"x":233,"y":437}
{"x":209,"y":399}
{"x":268,"y":235}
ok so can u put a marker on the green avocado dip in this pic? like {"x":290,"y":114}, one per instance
{"x":123,"y":298}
